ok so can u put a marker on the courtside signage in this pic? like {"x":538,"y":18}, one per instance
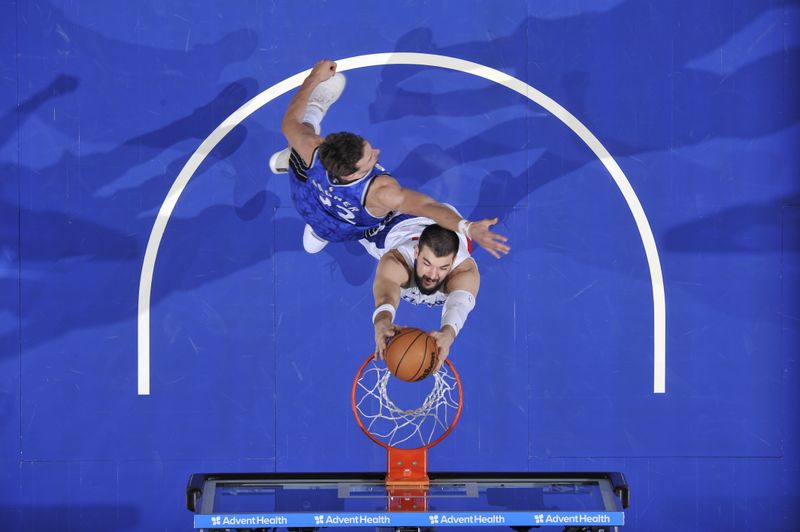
{"x":314,"y":520}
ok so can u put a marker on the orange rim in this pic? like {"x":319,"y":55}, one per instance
{"x":386,"y":445}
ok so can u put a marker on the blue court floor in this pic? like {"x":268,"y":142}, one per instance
{"x":159,"y":317}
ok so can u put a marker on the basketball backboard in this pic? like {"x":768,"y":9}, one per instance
{"x":575,"y":501}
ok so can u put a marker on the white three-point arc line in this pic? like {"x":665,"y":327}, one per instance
{"x":402,"y":58}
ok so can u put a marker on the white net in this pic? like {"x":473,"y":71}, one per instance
{"x":406,"y":427}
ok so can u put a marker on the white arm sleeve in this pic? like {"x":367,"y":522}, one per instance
{"x":457,"y":306}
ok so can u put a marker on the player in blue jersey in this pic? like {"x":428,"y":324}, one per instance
{"x":337,"y":185}
{"x":424,"y":264}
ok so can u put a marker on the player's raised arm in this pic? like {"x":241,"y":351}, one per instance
{"x":389,"y":277}
{"x":388,"y":195}
{"x":301,"y":136}
{"x":462,"y":288}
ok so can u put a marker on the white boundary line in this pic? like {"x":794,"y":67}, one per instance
{"x":418,"y":59}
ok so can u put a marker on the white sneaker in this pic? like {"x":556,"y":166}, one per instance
{"x":311,"y":242}
{"x":279,"y":162}
{"x":327,"y":92}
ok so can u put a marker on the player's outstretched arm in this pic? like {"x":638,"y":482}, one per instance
{"x":387,"y":195}
{"x":301,"y":137}
{"x":389,"y":277}
{"x":462,"y":288}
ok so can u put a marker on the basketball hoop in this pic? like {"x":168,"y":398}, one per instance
{"x":406,"y":433}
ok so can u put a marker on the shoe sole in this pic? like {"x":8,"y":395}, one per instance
{"x":340,"y":91}
{"x":273,"y":161}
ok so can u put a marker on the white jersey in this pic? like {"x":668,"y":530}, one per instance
{"x":403,"y":238}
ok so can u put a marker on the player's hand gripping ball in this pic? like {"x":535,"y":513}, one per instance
{"x":412,"y":354}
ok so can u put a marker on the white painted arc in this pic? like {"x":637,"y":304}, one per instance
{"x":418,"y":59}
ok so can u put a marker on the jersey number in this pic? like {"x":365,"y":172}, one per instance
{"x":343,"y":213}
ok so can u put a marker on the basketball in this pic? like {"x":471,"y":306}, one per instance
{"x":411,"y":354}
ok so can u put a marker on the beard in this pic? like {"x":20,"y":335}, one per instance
{"x":419,"y":280}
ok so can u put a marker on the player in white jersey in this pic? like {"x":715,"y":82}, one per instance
{"x":426,"y":264}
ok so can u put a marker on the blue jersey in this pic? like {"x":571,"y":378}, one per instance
{"x":336,"y":211}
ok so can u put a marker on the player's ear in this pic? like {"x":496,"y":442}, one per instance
{"x":416,"y":251}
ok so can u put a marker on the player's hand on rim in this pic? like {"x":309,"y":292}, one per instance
{"x":492,"y":242}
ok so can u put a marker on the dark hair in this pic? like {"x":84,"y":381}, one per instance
{"x":442,"y":241}
{"x":340,"y":152}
